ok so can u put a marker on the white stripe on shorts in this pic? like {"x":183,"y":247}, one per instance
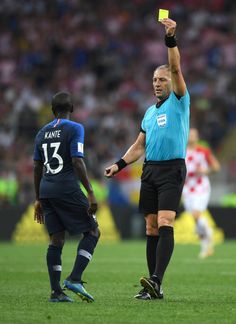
{"x":85,"y":254}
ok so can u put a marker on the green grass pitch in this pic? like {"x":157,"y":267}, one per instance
{"x":196,"y":291}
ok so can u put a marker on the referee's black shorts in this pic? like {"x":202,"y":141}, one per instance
{"x":161,"y":185}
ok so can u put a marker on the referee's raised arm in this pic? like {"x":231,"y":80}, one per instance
{"x":177,"y":79}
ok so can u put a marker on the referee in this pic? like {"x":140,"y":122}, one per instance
{"x":163,"y":139}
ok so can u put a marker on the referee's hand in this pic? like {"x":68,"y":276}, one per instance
{"x":170,"y":26}
{"x":111,"y":171}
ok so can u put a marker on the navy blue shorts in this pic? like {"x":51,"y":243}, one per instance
{"x":68,"y":214}
{"x":161,"y":186}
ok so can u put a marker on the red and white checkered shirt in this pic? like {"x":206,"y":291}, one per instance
{"x":195,"y":159}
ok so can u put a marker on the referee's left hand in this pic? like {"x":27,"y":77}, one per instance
{"x":38,"y":212}
{"x":170,"y":26}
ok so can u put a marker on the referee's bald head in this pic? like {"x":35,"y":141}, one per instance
{"x":164,"y":66}
{"x":62,"y":102}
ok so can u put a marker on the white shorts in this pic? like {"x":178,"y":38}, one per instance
{"x":196,"y":201}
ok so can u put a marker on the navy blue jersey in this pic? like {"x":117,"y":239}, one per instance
{"x":55,"y":145}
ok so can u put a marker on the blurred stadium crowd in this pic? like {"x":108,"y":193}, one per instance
{"x":104,"y":53}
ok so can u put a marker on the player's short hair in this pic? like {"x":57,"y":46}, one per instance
{"x":62,"y":102}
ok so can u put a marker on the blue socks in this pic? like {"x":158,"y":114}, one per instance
{"x":84,"y":255}
{"x":54,"y":267}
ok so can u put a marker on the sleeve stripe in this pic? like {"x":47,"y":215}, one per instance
{"x":80,"y":147}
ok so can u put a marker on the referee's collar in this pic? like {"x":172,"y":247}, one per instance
{"x":158,"y":104}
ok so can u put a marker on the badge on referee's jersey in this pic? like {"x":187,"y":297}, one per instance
{"x":162,"y":120}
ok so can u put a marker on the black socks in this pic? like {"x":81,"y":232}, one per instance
{"x":151,"y":247}
{"x":164,"y":251}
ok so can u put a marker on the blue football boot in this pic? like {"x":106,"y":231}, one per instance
{"x":78,"y":289}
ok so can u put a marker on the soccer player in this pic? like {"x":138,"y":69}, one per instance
{"x":60,"y":203}
{"x":163,"y":139}
{"x":196,"y":193}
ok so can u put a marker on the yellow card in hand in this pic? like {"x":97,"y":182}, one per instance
{"x":163,"y":13}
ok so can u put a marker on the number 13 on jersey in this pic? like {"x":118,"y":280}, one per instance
{"x":55,"y":146}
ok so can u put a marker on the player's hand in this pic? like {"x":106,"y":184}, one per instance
{"x":38,"y":212}
{"x":111,"y":171}
{"x":201,"y":171}
{"x":93,"y":206}
{"x":170,"y":26}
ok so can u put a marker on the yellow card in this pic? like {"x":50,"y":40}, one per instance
{"x":163,"y":13}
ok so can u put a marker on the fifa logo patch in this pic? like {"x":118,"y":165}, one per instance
{"x":162,"y":120}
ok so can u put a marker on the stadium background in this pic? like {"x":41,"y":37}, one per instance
{"x":104,"y":53}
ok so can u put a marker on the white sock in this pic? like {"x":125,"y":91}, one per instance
{"x":205,"y":233}
{"x":202,"y":227}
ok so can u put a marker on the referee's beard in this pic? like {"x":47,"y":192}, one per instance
{"x":164,"y":94}
{"x":162,"y":97}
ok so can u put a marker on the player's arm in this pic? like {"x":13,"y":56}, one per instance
{"x":133,"y":154}
{"x":178,"y":83}
{"x":38,"y":173}
{"x":214,"y":164}
{"x":81,"y":172}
